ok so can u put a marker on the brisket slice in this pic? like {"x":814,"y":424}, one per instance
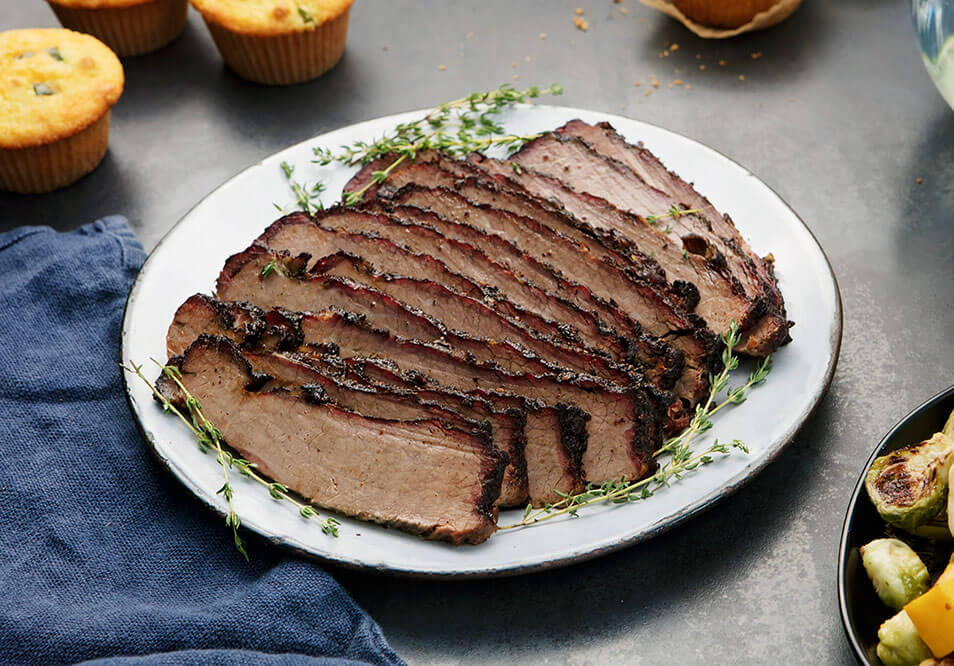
{"x":604,"y":138}
{"x":545,"y":291}
{"x":697,"y":344}
{"x":705,"y":283}
{"x":449,"y":261}
{"x":471,"y":180}
{"x":555,"y":437}
{"x":277,"y":340}
{"x":302,"y":291}
{"x":298,"y":233}
{"x":615,"y":294}
{"x":418,"y":476}
{"x":601,"y":433}
{"x":296,"y":290}
{"x":574,"y":161}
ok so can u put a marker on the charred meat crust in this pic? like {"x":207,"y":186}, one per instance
{"x":649,"y":294}
{"x":737,"y":258}
{"x":573,"y":435}
{"x":617,"y":145}
{"x":492,"y":461}
{"x":434,"y":244}
{"x":639,"y":268}
{"x":360,"y":270}
{"x":626,"y":342}
{"x":297,"y":233}
{"x":203,"y":314}
{"x":532,"y":349}
{"x":663,"y":401}
{"x":427,"y":233}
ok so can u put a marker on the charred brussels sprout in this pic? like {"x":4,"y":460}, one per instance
{"x":899,"y":643}
{"x":909,"y":487}
{"x":898,"y":574}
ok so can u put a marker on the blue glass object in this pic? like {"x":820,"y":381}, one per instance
{"x":934,"y":26}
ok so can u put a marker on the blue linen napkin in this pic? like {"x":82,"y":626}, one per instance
{"x":103,"y":555}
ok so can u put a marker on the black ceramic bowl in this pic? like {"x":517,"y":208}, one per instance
{"x":861,"y":610}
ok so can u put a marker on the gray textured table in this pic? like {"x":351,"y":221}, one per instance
{"x":837,"y":115}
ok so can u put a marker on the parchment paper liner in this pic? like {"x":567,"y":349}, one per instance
{"x":766,"y":19}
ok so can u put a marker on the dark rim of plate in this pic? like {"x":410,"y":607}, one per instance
{"x":859,"y":496}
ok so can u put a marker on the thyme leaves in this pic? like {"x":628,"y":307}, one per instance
{"x":673,"y":212}
{"x":458,"y":127}
{"x":307,"y":198}
{"x":270,"y":268}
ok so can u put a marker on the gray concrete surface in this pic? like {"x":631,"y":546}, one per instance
{"x":837,"y":115}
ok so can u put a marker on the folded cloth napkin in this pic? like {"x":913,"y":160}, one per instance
{"x":103,"y":555}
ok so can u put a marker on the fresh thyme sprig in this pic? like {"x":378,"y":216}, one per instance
{"x":682,"y":458}
{"x":209,"y":437}
{"x":271,"y":267}
{"x":307,"y":198}
{"x":458,"y":127}
{"x":673,"y":212}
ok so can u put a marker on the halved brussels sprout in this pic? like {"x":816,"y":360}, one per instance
{"x":898,"y":574}
{"x":937,"y":528}
{"x":899,"y":643}
{"x":909,"y":487}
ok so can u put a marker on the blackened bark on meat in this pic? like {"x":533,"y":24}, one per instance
{"x":573,"y":433}
{"x":439,"y":305}
{"x":537,"y":246}
{"x":558,"y":298}
{"x":204,"y":315}
{"x":575,"y":161}
{"x":420,"y":252}
{"x":214,"y":370}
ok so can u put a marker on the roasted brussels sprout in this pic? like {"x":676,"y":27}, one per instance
{"x":899,"y":643}
{"x":898,"y":574}
{"x":938,"y":527}
{"x":909,"y":487}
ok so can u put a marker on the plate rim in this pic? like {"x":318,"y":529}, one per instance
{"x":685,"y":513}
{"x":857,"y":494}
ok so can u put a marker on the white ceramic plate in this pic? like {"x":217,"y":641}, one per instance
{"x":189,"y":259}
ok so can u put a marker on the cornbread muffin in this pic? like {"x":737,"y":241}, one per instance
{"x":278,"y":42}
{"x":56,"y":90}
{"x":725,"y":14}
{"x":128,"y":27}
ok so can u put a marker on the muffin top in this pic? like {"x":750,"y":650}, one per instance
{"x":270,"y":17}
{"x":53,"y":83}
{"x":99,"y":4}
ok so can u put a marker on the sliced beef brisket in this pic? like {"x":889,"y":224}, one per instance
{"x":301,"y":291}
{"x":269,"y":337}
{"x":608,"y":433}
{"x":583,"y":168}
{"x":616,"y":295}
{"x":418,"y":476}
{"x":498,"y":287}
